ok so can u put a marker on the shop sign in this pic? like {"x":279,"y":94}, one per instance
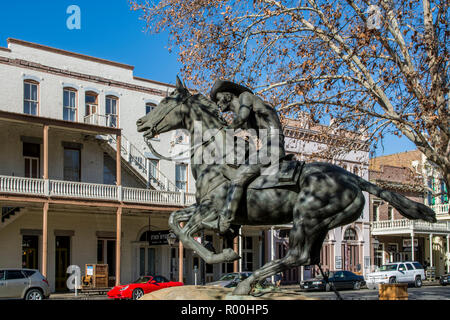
{"x":158,"y":237}
{"x":338,"y":263}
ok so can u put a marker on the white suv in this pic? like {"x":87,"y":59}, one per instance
{"x":397,"y":272}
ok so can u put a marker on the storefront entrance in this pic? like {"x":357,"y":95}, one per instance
{"x":62,"y":262}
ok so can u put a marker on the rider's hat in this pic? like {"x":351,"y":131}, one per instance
{"x":227,"y":86}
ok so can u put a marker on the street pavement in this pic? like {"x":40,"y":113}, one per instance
{"x":423,"y":293}
{"x":430,"y":291}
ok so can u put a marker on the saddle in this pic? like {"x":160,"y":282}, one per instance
{"x":287,"y":173}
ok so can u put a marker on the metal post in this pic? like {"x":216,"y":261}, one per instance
{"x":431,"y":250}
{"x":448,"y":254}
{"x":44,"y":238}
{"x":240,"y":249}
{"x":118,"y":242}
{"x":272,"y":251}
{"x":180,"y":258}
{"x":412,"y":246}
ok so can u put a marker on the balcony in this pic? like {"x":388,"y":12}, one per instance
{"x":92,"y":191}
{"x":441,"y":210}
{"x":405,"y":226}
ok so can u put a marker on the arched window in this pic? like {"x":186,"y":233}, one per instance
{"x":69,"y":104}
{"x":350,"y":234}
{"x":31,"y":97}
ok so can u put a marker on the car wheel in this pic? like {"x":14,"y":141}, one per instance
{"x":418,"y":282}
{"x":357,"y":285}
{"x":392,"y":280}
{"x":34,"y":294}
{"x":137,"y":293}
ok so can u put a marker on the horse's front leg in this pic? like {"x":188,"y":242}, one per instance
{"x":193,"y":226}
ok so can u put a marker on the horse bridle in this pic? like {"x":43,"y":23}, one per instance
{"x":193,"y":148}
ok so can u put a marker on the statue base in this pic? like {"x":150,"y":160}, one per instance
{"x":190,"y":292}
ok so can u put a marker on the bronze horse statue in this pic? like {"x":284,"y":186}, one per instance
{"x":322,"y":197}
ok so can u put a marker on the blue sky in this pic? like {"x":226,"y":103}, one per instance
{"x":109,"y":30}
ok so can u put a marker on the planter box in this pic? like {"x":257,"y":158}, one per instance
{"x":395,"y":291}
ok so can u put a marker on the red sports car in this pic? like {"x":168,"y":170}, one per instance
{"x":141,"y":286}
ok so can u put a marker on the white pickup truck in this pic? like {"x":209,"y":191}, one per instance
{"x":397,"y":272}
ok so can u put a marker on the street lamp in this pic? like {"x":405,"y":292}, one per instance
{"x":171,"y":238}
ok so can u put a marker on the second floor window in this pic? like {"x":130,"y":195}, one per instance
{"x":69,"y":105}
{"x":181,"y":176}
{"x":111,"y":111}
{"x":149,"y":107}
{"x":30,"y":98}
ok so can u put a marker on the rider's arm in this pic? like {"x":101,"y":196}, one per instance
{"x":245,"y":109}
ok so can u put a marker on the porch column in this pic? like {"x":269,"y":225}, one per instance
{"x":240,"y":249}
{"x":236,"y":249}
{"x":44,"y":238}
{"x":272,"y":248}
{"x":118,"y":242}
{"x":412,"y":246}
{"x":431,"y":249}
{"x":448,"y":254}
{"x":46,"y":205}
{"x":180,"y":258}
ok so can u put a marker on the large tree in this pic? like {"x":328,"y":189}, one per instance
{"x":375,"y":66}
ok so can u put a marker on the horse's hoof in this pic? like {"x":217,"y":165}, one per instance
{"x":230,"y":255}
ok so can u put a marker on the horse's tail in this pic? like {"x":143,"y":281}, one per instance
{"x":410,"y":209}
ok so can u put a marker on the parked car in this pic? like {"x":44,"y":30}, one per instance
{"x":230,"y":280}
{"x":444,"y":279}
{"x":397,"y":272}
{"x":141,"y":286}
{"x":340,"y":280}
{"x":28,"y":284}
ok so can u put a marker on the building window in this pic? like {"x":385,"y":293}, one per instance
{"x":154,"y":169}
{"x":31,"y":97}
{"x":149,"y":107}
{"x":31,"y":155}
{"x":390,"y":213}
{"x":181,"y":176}
{"x":247,"y":252}
{"x":91,"y":108}
{"x":350,"y":234}
{"x":111,"y":111}
{"x":444,"y":195}
{"x":69,"y":105}
{"x":72,"y":164}
{"x":109,"y":170}
{"x":375,"y":212}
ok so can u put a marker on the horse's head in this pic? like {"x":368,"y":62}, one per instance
{"x":168,"y":115}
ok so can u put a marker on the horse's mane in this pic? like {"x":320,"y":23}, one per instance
{"x":206,"y":106}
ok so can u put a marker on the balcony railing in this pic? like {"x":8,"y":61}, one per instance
{"x":441,"y":209}
{"x":108,"y":120}
{"x":92,"y":191}
{"x":405,"y":226}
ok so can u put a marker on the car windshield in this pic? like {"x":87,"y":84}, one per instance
{"x":142,"y":280}
{"x":228,"y":276}
{"x":388,"y":267}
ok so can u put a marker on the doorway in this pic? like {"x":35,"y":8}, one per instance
{"x":62,"y":262}
{"x":147,"y":261}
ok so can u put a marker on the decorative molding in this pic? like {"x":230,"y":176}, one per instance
{"x":75,"y":75}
